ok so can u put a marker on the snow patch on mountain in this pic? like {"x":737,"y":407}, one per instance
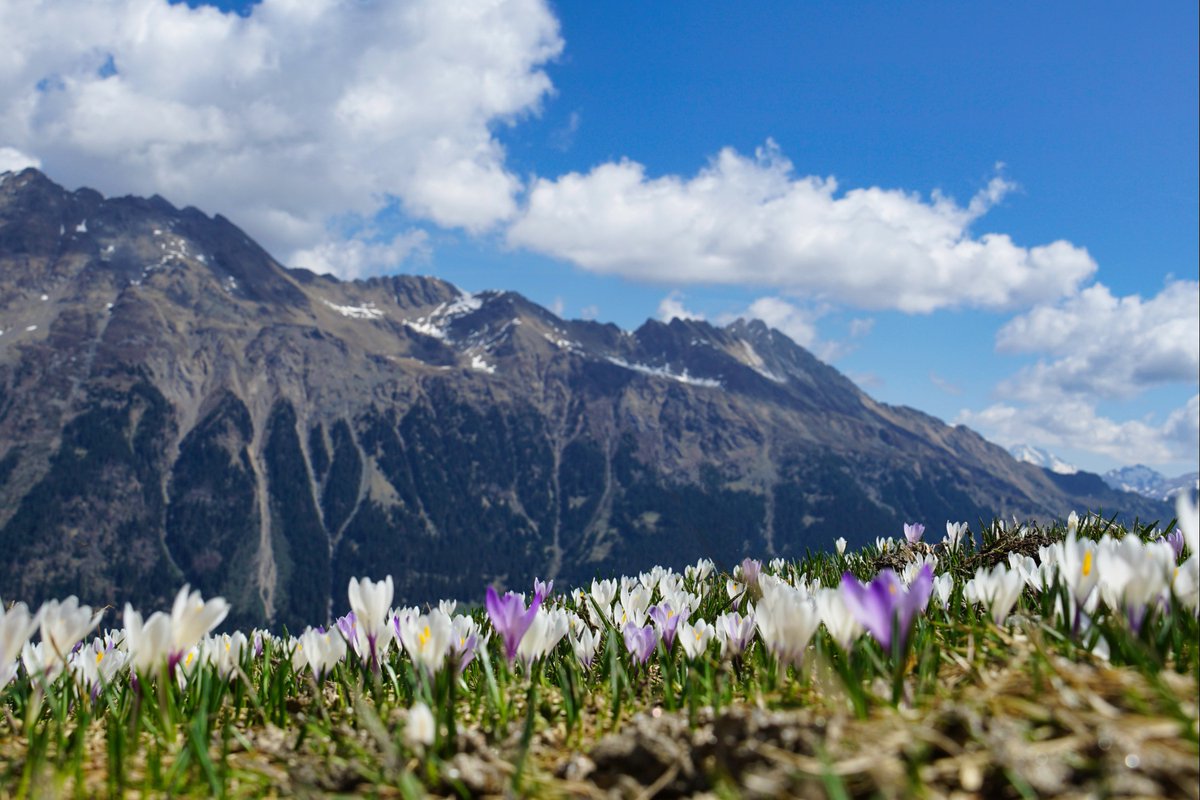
{"x":663,"y":372}
{"x":1042,"y":458}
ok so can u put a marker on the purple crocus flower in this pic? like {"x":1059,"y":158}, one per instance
{"x":667,"y":621}
{"x":640,"y":641}
{"x":346,"y":625}
{"x":913,"y":532}
{"x":510,"y":618}
{"x":751,"y":569}
{"x":1175,"y":539}
{"x":542,"y":589}
{"x":885,"y":602}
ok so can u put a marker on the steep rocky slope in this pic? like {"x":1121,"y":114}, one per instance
{"x":177,"y":406}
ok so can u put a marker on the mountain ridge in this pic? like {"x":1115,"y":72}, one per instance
{"x":177,"y":405}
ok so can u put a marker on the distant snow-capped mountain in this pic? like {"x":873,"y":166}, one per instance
{"x":1151,"y":483}
{"x":1042,"y":458}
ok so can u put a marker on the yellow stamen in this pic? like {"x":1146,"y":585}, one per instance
{"x":1087,"y":563}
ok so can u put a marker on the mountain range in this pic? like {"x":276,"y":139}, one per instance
{"x":175,"y":405}
{"x":1138,"y":478}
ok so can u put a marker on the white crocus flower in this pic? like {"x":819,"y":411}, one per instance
{"x":1185,"y":583}
{"x":954,"y":534}
{"x":913,"y":568}
{"x":1077,"y":567}
{"x":193,"y":618}
{"x":62,"y":626}
{"x":16,"y":626}
{"x":1133,"y":574}
{"x":225,"y":651}
{"x":1188,"y":514}
{"x":427,"y":639}
{"x":840,"y":545}
{"x":319,"y":650}
{"x":998,"y":589}
{"x":694,"y":639}
{"x":420,"y":728}
{"x":787,"y":620}
{"x":371,"y":602}
{"x":701,"y":571}
{"x":148,"y":642}
{"x":601,"y":599}
{"x":943,"y":585}
{"x":837,"y":618}
{"x":545,"y":632}
{"x":584,"y":643}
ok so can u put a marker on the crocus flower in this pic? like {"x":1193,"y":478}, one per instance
{"x":465,"y":642}
{"x":96,"y":664}
{"x":426,"y":638}
{"x":913,"y":532}
{"x":1133,"y":574}
{"x":787,"y":619}
{"x":1175,"y":539}
{"x":694,"y":639}
{"x":420,"y":727}
{"x":224,"y":652}
{"x":542,"y":588}
{"x":148,"y":642}
{"x":943,"y":585}
{"x":998,"y":589}
{"x":840,"y":545}
{"x":639,"y":641}
{"x":885,"y":604}
{"x":954,"y":534}
{"x":546,"y":630}
{"x":192,"y":618}
{"x":1188,"y":514}
{"x":16,"y":626}
{"x":63,"y":626}
{"x":510,"y":618}
{"x":735,"y":632}
{"x":751,"y":569}
{"x":320,"y":650}
{"x":584,"y":643}
{"x":666,"y":620}
{"x":371,"y":602}
{"x":836,"y":616}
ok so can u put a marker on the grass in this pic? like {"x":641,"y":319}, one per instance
{"x":1023,"y":709}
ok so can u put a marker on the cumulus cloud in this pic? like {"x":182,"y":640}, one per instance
{"x":300,"y":112}
{"x":13,"y":160}
{"x":750,"y":220}
{"x":360,"y":257}
{"x":1108,"y":346}
{"x":672,"y":307}
{"x":1074,"y":422}
{"x":1100,"y":346}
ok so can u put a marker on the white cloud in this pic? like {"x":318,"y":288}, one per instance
{"x":799,"y":323}
{"x":671,"y":307}
{"x":304,"y":111}
{"x":1073,"y":422}
{"x":13,"y":160}
{"x":361,"y":258}
{"x":750,"y":221}
{"x":1107,"y":346}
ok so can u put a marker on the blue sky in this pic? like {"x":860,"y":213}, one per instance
{"x":626,"y":160}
